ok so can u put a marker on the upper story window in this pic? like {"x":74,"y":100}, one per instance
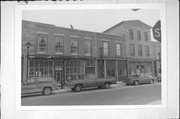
{"x":42,"y":43}
{"x":147,"y":50}
{"x":105,"y":48}
{"x":74,"y":46}
{"x":118,"y":49}
{"x":132,"y":50}
{"x":138,"y":35}
{"x":139,"y":50}
{"x":87,"y":47}
{"x":131,"y":35}
{"x":59,"y":44}
{"x":146,"y":36}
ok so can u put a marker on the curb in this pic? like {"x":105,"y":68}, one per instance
{"x":67,"y":89}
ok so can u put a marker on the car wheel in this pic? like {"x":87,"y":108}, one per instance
{"x":78,"y":88}
{"x":106,"y":85}
{"x":136,"y":83}
{"x":151,"y":81}
{"x":47,"y":91}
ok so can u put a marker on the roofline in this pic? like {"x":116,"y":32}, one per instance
{"x":122,"y":23}
{"x":74,"y":29}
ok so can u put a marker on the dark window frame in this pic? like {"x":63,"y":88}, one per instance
{"x":59,"y":47}
{"x":140,"y":52}
{"x":132,"y":50}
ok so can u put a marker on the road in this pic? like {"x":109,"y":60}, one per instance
{"x":127,"y":95}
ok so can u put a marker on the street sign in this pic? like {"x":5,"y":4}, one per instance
{"x":157,"y":31}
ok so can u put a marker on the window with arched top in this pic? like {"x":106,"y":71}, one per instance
{"x":42,"y":43}
{"x":59,"y":44}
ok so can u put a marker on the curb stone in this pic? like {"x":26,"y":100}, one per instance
{"x":67,"y":89}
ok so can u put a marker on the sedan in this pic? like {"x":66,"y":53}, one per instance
{"x":141,"y":79}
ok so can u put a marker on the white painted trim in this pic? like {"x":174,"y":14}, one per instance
{"x":87,"y":54}
{"x":106,"y":40}
{"x":58,"y":53}
{"x":40,"y":32}
{"x":41,"y":52}
{"x":118,"y":41}
{"x":87,"y":38}
{"x":56,"y":34}
{"x":74,"y":53}
{"x":73,"y":36}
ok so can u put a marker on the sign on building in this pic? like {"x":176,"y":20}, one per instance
{"x":157,"y":31}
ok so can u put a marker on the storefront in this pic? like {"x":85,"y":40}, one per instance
{"x":140,"y":67}
{"x":112,"y":68}
{"x":62,"y":69}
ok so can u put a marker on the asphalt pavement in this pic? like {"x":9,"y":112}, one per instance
{"x":117,"y":95}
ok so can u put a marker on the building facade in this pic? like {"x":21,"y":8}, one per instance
{"x":70,"y":54}
{"x":139,"y":47}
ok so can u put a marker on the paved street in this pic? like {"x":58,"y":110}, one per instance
{"x":123,"y":95}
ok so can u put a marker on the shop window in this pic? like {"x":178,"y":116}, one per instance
{"x":90,"y":69}
{"x":40,"y":68}
{"x":131,"y":35}
{"x":106,"y":48}
{"x":122,"y":69}
{"x":74,"y":46}
{"x":42,"y":43}
{"x":132,"y":50}
{"x":74,"y":69}
{"x":59,"y":44}
{"x":87,"y":47}
{"x":118,"y":49}
{"x":110,"y":68}
{"x":100,"y":68}
{"x":138,"y":35}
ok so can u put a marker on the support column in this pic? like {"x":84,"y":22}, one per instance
{"x":96,"y":67}
{"x":24,"y":68}
{"x":128,"y":68}
{"x":117,"y":77}
{"x":105,"y":75}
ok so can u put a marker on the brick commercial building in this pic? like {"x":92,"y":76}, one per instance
{"x":67,"y":53}
{"x":64,"y":53}
{"x":140,"y":50}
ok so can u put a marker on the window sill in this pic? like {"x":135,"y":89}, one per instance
{"x":41,"y":52}
{"x":59,"y":53}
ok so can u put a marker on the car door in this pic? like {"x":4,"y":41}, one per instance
{"x":146,"y":79}
{"x":142,"y":79}
{"x":29,"y":86}
{"x":90,"y":82}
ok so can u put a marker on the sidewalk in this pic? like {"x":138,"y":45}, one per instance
{"x":66,"y":89}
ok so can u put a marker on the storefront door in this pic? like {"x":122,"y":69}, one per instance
{"x":59,"y":75}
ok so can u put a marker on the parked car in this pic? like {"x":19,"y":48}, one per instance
{"x":141,"y":79}
{"x":91,"y":81}
{"x":39,"y":85}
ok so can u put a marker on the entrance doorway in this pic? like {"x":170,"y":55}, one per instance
{"x":59,"y":76}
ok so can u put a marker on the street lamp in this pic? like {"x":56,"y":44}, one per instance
{"x":28,"y":44}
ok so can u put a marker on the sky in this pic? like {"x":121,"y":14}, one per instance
{"x":96,"y":20}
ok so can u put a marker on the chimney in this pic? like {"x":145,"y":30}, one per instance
{"x":71,"y":27}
